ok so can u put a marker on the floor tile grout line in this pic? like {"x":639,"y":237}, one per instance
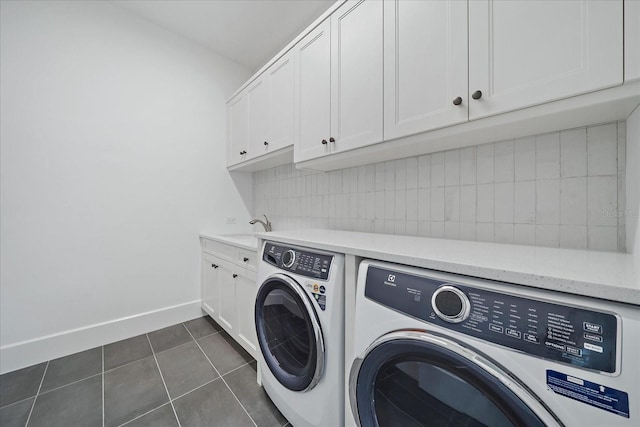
{"x":103,"y":386}
{"x":239,"y":367}
{"x":175,"y":414}
{"x":37,"y":394}
{"x":225,"y":383}
{"x":142,"y":415}
{"x":71,"y":383}
{"x":200,"y":386}
{"x":128,"y":363}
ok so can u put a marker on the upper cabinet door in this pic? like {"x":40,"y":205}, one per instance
{"x":280,"y":104}
{"x":425,"y":66}
{"x":356,"y":74}
{"x":257,"y":100}
{"x":523,"y":53}
{"x":237,"y":128}
{"x":313,"y":99}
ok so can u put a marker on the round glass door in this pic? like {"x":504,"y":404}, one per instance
{"x":289,"y":333}
{"x":413,"y":379}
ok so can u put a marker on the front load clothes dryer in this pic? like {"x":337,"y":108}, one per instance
{"x":299,"y":314}
{"x":437,"y":349}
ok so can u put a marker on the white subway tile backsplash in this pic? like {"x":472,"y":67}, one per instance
{"x":524,"y":150}
{"x":468,"y":204}
{"x":424,"y":171}
{"x":548,"y":235}
{"x":412,"y":205}
{"x":412,"y":173}
{"x":548,"y":201}
{"x":485,"y":163}
{"x":573,"y":236}
{"x":504,"y":161}
{"x":573,"y":153}
{"x":452,"y":168}
{"x":524,"y":211}
{"x":602,"y":159}
{"x":437,"y":204}
{"x":524,"y":234}
{"x":485,"y":207}
{"x":548,"y":156}
{"x":573,"y":201}
{"x":437,"y":170}
{"x":603,"y":238}
{"x":467,"y":165}
{"x":560,"y":189}
{"x":602,"y":200}
{"x":503,"y":202}
{"x":452,"y":204}
{"x":401,"y":174}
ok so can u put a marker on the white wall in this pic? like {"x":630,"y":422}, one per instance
{"x":112,"y":145}
{"x":632,"y":213}
{"x":562,"y":189}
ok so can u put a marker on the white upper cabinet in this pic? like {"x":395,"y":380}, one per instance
{"x":237,"y":128}
{"x":339,"y":82}
{"x":356,"y":75}
{"x":257,"y":100}
{"x":523,"y":53}
{"x":425,"y":66}
{"x":280,"y":104}
{"x":313,"y":100}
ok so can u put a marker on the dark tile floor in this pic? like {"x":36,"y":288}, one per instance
{"x":190,"y":374}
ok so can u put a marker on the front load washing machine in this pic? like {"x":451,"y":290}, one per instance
{"x":437,"y":349}
{"x":299,"y":314}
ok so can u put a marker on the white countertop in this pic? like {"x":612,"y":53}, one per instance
{"x":244,"y":241}
{"x":606,"y":275}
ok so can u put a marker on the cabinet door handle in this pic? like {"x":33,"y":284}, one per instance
{"x":245,"y":259}
{"x":332,"y":139}
{"x":214,"y":266}
{"x":243,"y":152}
{"x":457,"y":101}
{"x":235,"y":275}
{"x":324,"y":142}
{"x":477,"y":94}
{"x":266,"y":143}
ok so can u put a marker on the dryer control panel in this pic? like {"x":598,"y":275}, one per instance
{"x":295,"y":260}
{"x":568,"y":334}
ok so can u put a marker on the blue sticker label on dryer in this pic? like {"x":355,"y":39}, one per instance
{"x":605,"y":398}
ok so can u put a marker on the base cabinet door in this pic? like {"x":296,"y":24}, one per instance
{"x":211,"y":285}
{"x":246,"y":289}
{"x":523,"y":53}
{"x":227,"y":317}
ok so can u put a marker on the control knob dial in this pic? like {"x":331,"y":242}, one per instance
{"x":288,"y":258}
{"x":450,"y":304}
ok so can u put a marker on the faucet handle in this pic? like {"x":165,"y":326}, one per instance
{"x":268,"y":228}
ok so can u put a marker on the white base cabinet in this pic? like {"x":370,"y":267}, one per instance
{"x":229,"y":290}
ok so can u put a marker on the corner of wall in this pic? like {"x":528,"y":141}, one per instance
{"x":632,"y":190}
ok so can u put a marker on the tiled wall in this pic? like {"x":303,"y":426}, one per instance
{"x":558,"y":189}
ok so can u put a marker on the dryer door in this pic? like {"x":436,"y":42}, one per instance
{"x":414,"y":378}
{"x":289,"y":333}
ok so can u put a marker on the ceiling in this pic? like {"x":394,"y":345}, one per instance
{"x":249,"y":32}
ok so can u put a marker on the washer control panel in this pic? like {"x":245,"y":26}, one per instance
{"x":297,"y":261}
{"x":573,"y":335}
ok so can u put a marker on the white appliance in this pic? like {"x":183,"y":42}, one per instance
{"x":437,"y":349}
{"x":299,"y":315}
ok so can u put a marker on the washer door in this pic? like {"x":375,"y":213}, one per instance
{"x":414,"y":378}
{"x":289,"y":333}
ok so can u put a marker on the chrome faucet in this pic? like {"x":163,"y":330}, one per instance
{"x":266,"y":225}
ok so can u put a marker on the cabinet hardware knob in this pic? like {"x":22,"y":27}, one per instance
{"x":477,"y":94}
{"x":324,"y":142}
{"x":245,"y":259}
{"x":266,"y":143}
{"x":214,"y":266}
{"x":235,"y":275}
{"x":457,"y":101}
{"x":332,"y":139}
{"x":243,"y":152}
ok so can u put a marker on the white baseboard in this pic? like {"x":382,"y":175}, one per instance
{"x":26,"y":353}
